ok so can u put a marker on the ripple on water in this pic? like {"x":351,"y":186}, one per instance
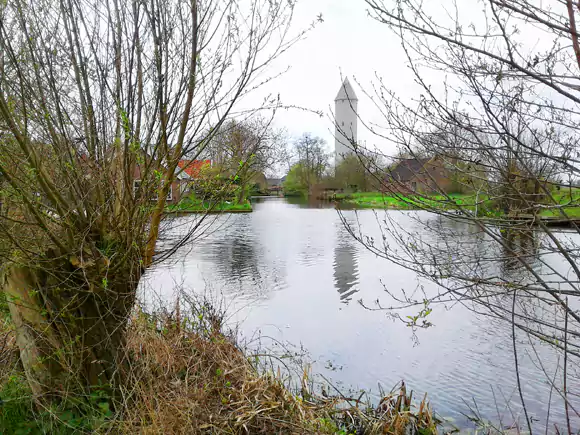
{"x":297,"y":269}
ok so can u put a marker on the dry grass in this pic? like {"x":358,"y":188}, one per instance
{"x":189,"y":377}
{"x":187,"y":380}
{"x":192,"y":378}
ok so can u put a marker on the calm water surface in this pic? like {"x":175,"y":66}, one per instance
{"x":293,"y":273}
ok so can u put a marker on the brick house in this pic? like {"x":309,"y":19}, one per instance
{"x":427,"y":175}
{"x":174,"y":194}
{"x":186,"y":173}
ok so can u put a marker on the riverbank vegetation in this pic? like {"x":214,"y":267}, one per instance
{"x":214,"y":190}
{"x":358,"y":172}
{"x":189,"y":375}
{"x":193,"y":204}
{"x":241,"y":152}
{"x":310,"y":164}
{"x":378,"y":200}
{"x":565,"y":200}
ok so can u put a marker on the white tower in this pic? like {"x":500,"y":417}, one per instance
{"x":345,"y":112}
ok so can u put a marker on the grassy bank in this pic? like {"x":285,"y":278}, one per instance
{"x":569,"y":199}
{"x":370,"y":200}
{"x":195,"y":205}
{"x":190,"y":377}
{"x":380,"y":200}
{"x":569,"y":202}
{"x":571,"y":212}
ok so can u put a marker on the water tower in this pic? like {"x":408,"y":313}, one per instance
{"x":345,"y":113}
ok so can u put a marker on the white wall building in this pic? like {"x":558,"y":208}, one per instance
{"x":345,"y":118}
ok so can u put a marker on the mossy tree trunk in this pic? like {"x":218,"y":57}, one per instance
{"x":33,"y":330}
{"x":70,"y":328}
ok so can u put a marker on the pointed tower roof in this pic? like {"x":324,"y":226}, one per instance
{"x":346,"y":92}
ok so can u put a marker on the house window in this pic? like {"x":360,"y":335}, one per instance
{"x":414,"y":185}
{"x":169,"y":195}
{"x":137,"y":186}
{"x":343,"y":123}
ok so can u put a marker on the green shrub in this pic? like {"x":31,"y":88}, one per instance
{"x":4,"y":311}
{"x":16,"y":406}
{"x":19,"y":416}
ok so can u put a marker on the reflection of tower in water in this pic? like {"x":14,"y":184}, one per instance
{"x":345,"y":264}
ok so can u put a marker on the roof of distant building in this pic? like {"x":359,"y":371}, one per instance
{"x":406,"y":169}
{"x":193,"y":167}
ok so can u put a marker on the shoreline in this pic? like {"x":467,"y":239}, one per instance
{"x":364,"y":201}
{"x":185,"y":212}
{"x":224,"y":388}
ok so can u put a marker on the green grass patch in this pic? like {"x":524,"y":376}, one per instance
{"x":571,"y":212}
{"x":568,"y":199}
{"x":195,"y":205}
{"x":19,"y":415}
{"x":17,"y":405}
{"x":380,"y":200}
{"x":565,"y":196}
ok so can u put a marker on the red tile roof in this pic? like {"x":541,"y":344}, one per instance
{"x":193,"y":167}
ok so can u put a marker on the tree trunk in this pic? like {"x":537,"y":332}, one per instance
{"x":70,"y":329}
{"x":34,"y":336}
{"x":243,"y":195}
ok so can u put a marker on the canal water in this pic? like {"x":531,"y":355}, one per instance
{"x":291,"y":273}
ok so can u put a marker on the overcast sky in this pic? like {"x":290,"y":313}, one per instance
{"x":348,"y":42}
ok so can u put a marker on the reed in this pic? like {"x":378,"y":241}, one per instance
{"x":188,"y":375}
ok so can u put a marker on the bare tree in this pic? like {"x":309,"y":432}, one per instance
{"x":509,"y":104}
{"x":92,"y":96}
{"x":312,"y":160}
{"x":245,"y":149}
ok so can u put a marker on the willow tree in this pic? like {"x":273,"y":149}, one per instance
{"x":497,"y":108}
{"x":246,"y":149}
{"x":95,"y":95}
